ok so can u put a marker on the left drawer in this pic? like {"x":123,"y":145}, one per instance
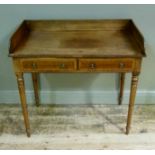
{"x":47,"y":64}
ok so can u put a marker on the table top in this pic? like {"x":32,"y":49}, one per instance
{"x":77,"y":38}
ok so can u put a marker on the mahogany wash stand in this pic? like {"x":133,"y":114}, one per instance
{"x":77,"y":46}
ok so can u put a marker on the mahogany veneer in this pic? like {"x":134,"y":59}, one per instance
{"x":77,"y":46}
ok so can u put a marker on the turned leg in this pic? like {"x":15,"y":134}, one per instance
{"x":21,"y":87}
{"x":35,"y":86}
{"x":133,"y":89}
{"x":122,"y":79}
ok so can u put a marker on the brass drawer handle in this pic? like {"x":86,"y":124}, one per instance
{"x":34,"y":65}
{"x":121,"y":65}
{"x":62,"y":66}
{"x":92,"y":65}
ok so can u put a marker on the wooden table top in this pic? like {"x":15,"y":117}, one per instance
{"x":77,"y":38}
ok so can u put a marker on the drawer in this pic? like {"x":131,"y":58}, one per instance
{"x":48,"y":64}
{"x":106,"y":64}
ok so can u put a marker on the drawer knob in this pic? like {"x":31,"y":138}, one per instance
{"x":34,"y":65}
{"x":92,"y":66}
{"x":62,"y":66}
{"x":121,"y":65}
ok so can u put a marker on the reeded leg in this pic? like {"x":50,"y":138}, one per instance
{"x":21,"y":87}
{"x":133,"y":89}
{"x":35,"y":86}
{"x":122,"y":79}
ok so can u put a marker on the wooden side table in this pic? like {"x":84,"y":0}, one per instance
{"x":77,"y":46}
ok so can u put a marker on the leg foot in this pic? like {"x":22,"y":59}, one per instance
{"x":28,"y":133}
{"x":127,"y":131}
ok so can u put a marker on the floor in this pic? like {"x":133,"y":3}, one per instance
{"x":77,"y":127}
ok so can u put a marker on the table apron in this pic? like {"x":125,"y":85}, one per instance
{"x":77,"y":65}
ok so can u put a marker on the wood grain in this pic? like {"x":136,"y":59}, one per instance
{"x":36,"y":87}
{"x":98,"y":38}
{"x":122,"y":81}
{"x":19,"y":36}
{"x":21,"y":87}
{"x":77,"y":46}
{"x":48,"y":64}
{"x":78,"y":127}
{"x":134,"y":83}
{"x":67,"y":25}
{"x":106,"y":65}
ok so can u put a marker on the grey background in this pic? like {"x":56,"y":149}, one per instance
{"x":12,"y":15}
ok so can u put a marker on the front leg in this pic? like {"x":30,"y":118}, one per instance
{"x":133,"y":89}
{"x":21,"y":87}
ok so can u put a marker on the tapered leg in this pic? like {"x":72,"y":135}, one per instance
{"x":35,"y":86}
{"x":122,"y":79}
{"x":133,"y":89}
{"x":21,"y":87}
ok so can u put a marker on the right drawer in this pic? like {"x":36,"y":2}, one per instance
{"x":106,"y":64}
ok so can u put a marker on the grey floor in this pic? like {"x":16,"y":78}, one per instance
{"x":77,"y":127}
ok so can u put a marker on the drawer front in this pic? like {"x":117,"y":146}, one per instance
{"x":106,"y":64}
{"x":48,"y":64}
